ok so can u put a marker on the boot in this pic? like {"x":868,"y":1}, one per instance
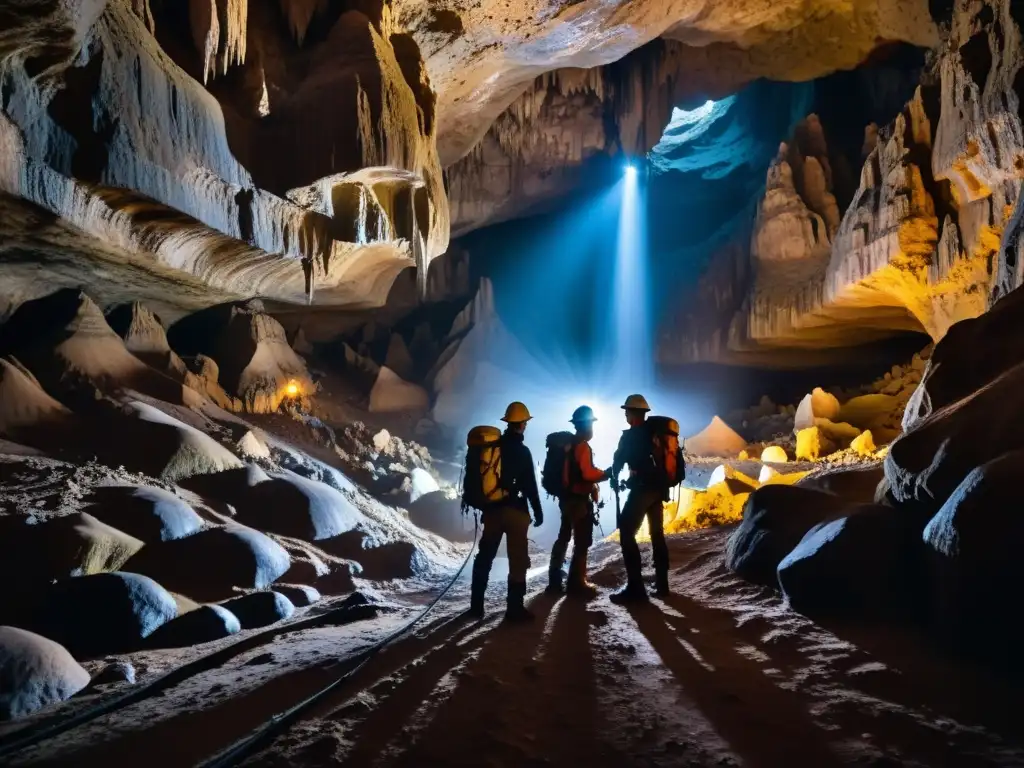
{"x":633,"y":592}
{"x":481,"y":570}
{"x":515,"y":611}
{"x":661,"y":584}
{"x":578,"y":586}
{"x":555,"y":582}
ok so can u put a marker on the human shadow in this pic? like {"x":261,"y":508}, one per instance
{"x":435,"y":691}
{"x":763,"y":724}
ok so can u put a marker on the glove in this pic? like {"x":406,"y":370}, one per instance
{"x":538,"y":519}
{"x":610,"y":474}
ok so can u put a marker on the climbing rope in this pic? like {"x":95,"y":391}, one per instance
{"x":266,"y":732}
{"x":25,"y":738}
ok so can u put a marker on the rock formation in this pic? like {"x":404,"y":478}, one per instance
{"x":919,"y":246}
{"x":294,"y":149}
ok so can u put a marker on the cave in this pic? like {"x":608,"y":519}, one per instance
{"x":443,"y":383}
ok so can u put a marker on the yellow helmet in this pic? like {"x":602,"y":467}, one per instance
{"x":516,"y":413}
{"x":636,"y":403}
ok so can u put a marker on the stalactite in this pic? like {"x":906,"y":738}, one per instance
{"x":219,"y":29}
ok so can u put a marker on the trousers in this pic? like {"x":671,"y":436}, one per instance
{"x":640,"y":504}
{"x":577,"y":526}
{"x":512,"y":522}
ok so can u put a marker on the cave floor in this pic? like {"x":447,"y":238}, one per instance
{"x":720,"y":673}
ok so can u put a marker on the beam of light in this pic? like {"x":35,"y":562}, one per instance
{"x":633,"y":356}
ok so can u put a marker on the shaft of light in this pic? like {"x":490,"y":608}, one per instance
{"x":633,"y":347}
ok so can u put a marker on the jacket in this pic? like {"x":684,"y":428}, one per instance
{"x":518,"y":475}
{"x":581,"y":475}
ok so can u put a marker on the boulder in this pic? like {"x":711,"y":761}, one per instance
{"x":840,"y":433}
{"x":104,"y":613}
{"x":927,"y":463}
{"x":211,"y":564}
{"x":440,"y":513}
{"x":232,"y":486}
{"x":973,"y":353}
{"x":295,"y":506}
{"x":260,"y":609}
{"x":172,"y":450}
{"x":300,"y":595}
{"x":812,"y":444}
{"x":421,"y":483}
{"x":854,"y":485}
{"x":775,"y":519}
{"x":973,"y":544}
{"x":116,"y":672}
{"x":868,"y":411}
{"x":149,"y":514}
{"x":203,"y":625}
{"x":817,"y":405}
{"x":36,"y":672}
{"x":716,"y":439}
{"x":774,"y":454}
{"x":73,"y":545}
{"x":864,"y":444}
{"x":866,"y":562}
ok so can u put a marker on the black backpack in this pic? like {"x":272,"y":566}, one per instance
{"x":552,"y":477}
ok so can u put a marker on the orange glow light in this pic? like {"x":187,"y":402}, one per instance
{"x":292,"y":390}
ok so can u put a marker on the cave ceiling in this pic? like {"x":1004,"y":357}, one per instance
{"x":311,"y":150}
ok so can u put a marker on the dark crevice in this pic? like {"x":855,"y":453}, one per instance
{"x":73,"y":109}
{"x":976,"y":56}
{"x":243,"y":199}
{"x":407,"y":52}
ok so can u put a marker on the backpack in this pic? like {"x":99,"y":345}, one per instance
{"x":481,"y":479}
{"x":552,"y":477}
{"x":669,"y":466}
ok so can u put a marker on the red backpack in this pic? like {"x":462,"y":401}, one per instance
{"x":669,"y":467}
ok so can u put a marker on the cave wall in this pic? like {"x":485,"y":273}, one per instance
{"x":929,"y":238}
{"x":107,"y":131}
{"x":293,"y":149}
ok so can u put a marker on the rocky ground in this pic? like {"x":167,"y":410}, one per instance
{"x":246,"y":526}
{"x":721,"y":673}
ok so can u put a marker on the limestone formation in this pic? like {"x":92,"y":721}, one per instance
{"x":219,"y":560}
{"x":260,"y":609}
{"x":203,"y":625}
{"x":66,"y":546}
{"x":144,"y":336}
{"x":66,"y":342}
{"x":930,"y":238}
{"x":391,"y":394}
{"x":37,"y":672}
{"x":104,"y":613}
{"x":172,"y":450}
{"x":256,"y":364}
{"x":775,"y":519}
{"x":148,"y":514}
{"x":300,"y":508}
{"x":868,"y":562}
{"x":972,"y":542}
{"x":716,"y":439}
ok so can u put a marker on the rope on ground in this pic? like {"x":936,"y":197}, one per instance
{"x":266,"y":732}
{"x":27,"y":737}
